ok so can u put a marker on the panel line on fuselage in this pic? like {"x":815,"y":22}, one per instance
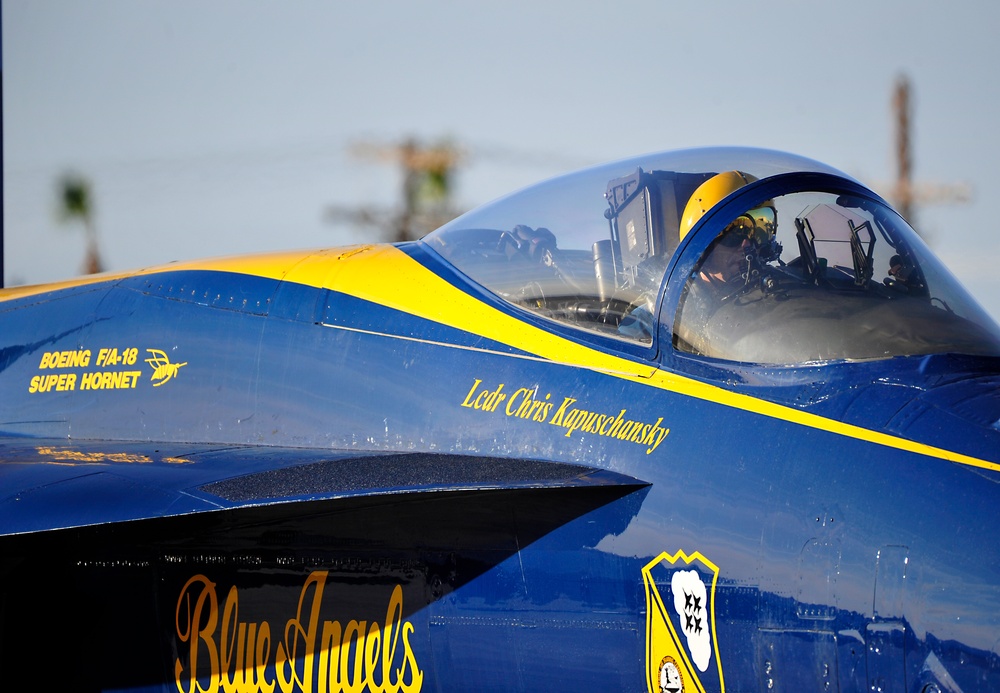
{"x":465,"y":347}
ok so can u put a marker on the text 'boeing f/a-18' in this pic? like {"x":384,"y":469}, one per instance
{"x":705,"y":420}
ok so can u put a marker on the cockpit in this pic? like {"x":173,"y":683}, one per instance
{"x":734,"y":254}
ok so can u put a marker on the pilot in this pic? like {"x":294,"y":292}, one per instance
{"x":729,"y":265}
{"x":726,"y":259}
{"x":749,"y":237}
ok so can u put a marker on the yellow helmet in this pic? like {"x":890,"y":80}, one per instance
{"x":709,"y":193}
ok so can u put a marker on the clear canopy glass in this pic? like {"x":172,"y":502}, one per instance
{"x":800,"y":277}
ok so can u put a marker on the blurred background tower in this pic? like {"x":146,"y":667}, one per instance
{"x":903,"y":190}
{"x":427,"y":173}
{"x":905,"y":195}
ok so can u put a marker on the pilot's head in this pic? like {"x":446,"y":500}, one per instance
{"x":709,"y":194}
{"x":758,"y":226}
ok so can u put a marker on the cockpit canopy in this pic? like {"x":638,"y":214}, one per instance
{"x":774,"y":259}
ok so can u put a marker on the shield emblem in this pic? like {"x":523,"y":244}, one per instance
{"x":682,"y":654}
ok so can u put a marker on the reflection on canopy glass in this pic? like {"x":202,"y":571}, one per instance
{"x":800,"y":278}
{"x":852,"y":281}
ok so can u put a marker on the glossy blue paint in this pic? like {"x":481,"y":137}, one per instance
{"x":289,"y":454}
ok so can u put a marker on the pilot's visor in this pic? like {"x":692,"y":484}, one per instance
{"x":765,"y":219}
{"x":739,"y":230}
{"x":755,"y":226}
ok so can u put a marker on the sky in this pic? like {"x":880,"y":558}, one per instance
{"x":217,"y":127}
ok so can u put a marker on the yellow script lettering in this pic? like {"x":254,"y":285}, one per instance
{"x":289,"y":652}
{"x":312,"y":658}
{"x":484,"y":400}
{"x":198,"y":628}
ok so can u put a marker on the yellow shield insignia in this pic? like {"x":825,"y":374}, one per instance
{"x":682,"y":653}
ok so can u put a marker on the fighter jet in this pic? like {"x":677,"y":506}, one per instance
{"x":698,"y":420}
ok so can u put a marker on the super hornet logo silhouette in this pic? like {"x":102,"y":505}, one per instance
{"x":163,"y":370}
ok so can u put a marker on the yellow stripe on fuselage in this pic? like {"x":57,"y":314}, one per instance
{"x":391,"y":278}
{"x":385,"y":275}
{"x":272,"y":265}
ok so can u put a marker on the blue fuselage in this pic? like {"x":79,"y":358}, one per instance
{"x":246,"y":467}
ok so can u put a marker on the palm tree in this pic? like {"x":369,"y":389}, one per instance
{"x":75,"y":203}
